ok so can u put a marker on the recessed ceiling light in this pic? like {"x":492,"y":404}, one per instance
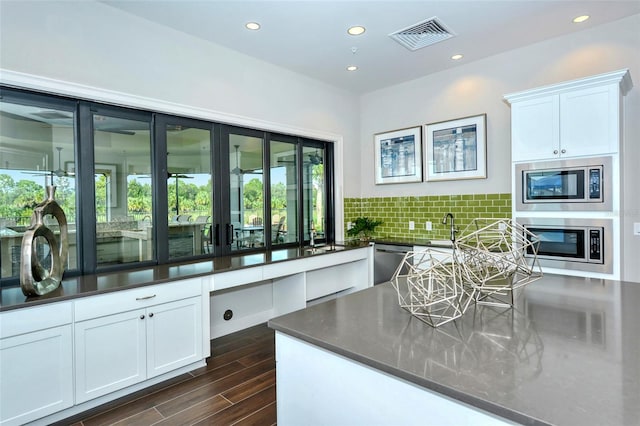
{"x":580,"y":18}
{"x":456,"y":57}
{"x":356,"y":30}
{"x":352,"y":68}
{"x":252,"y":26}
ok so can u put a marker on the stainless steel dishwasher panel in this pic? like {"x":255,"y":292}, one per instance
{"x":386,"y":260}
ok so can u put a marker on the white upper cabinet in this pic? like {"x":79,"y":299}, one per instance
{"x":590,"y":121}
{"x":573,"y":119}
{"x":535,"y":128}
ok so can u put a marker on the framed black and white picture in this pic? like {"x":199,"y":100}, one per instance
{"x":398,"y":156}
{"x":456,"y":149}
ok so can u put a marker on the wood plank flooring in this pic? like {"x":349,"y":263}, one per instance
{"x":236,"y":387}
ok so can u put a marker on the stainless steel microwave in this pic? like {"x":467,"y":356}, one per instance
{"x":580,"y":244}
{"x":565,"y":185}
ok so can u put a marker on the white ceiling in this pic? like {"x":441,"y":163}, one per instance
{"x":310,"y":37}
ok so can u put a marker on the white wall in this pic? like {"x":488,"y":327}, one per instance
{"x":479,"y":87}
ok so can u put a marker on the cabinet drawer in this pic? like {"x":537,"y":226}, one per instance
{"x":127,"y":300}
{"x":229,"y":279}
{"x":27,"y":320}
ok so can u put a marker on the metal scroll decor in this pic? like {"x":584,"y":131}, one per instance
{"x":491,"y":259}
{"x":36,"y":279}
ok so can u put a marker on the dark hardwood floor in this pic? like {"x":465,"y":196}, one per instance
{"x":237,"y":387}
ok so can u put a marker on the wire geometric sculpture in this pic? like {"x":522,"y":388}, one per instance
{"x":491,"y":259}
{"x":429,"y":286}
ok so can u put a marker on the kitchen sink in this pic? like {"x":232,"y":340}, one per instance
{"x":320,"y":249}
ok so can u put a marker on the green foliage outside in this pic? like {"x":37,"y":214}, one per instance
{"x":17,"y":199}
{"x":279,"y":196}
{"x":191,"y":197}
{"x":139,"y":197}
{"x":253,"y":194}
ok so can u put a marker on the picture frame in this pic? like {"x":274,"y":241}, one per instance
{"x":398,"y":156}
{"x":456,"y":149}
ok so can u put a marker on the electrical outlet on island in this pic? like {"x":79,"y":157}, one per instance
{"x":428,"y":226}
{"x":412,"y":225}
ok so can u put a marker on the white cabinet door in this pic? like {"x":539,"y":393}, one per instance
{"x":589,"y":121}
{"x":110,"y":353}
{"x":535,"y":129}
{"x":37,"y":375}
{"x":174,"y":335}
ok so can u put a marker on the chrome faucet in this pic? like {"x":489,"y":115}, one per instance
{"x":453,"y":226}
{"x":312,"y":234}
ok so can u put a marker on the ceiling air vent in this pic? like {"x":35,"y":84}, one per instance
{"x":422,"y":34}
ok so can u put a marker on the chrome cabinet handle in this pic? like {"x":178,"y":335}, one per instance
{"x":141,"y":316}
{"x":146,"y":297}
{"x":555,"y":151}
{"x":564,"y":151}
{"x":151,"y":315}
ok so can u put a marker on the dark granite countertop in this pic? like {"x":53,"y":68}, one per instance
{"x":568,"y":354}
{"x":89,"y":285}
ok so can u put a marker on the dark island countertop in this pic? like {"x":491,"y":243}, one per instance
{"x":567,"y":354}
{"x":89,"y":285}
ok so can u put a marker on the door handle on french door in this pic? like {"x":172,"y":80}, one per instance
{"x":229,"y":234}
{"x":216,"y":234}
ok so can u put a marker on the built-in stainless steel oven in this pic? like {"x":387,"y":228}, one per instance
{"x":565,"y":185}
{"x":579,"y":244}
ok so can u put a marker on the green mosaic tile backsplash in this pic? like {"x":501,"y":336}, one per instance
{"x":396,"y":212}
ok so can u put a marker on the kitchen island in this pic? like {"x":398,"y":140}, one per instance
{"x":568,"y":354}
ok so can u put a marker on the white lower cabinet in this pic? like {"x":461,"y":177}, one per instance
{"x":174,"y":335}
{"x":124,"y":348}
{"x":110,"y":354}
{"x":36,"y":363}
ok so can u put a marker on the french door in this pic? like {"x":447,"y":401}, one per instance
{"x":245,"y":224}
{"x":187,"y":174}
